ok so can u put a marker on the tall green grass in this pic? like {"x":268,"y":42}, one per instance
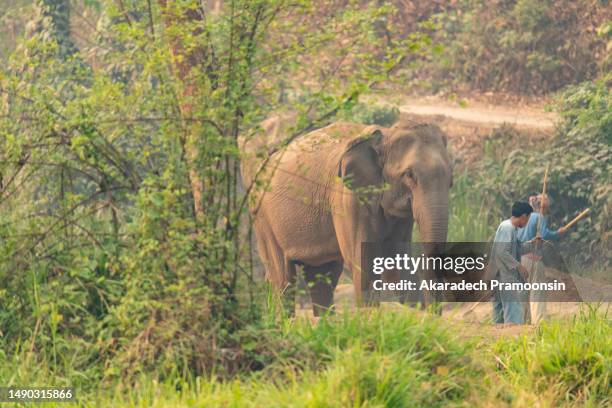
{"x":471,"y":214}
{"x":374,"y":358}
{"x":396,"y":358}
{"x":564,"y":363}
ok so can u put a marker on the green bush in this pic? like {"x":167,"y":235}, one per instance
{"x":572,"y":363}
{"x":399,"y":358}
{"x":124,"y":235}
{"x":523,"y":46}
{"x":580,"y":160}
{"x":372,"y":114}
{"x":376,"y":358}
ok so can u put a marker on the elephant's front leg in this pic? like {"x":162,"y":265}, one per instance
{"x":431,"y":298}
{"x":322,"y":281}
{"x":357,"y":225}
{"x":399,"y":241}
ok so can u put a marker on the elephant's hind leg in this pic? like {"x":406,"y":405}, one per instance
{"x":280,"y":271}
{"x":322,"y":281}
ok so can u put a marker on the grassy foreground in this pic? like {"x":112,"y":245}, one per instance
{"x":399,"y":358}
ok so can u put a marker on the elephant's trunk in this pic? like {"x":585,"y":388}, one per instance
{"x":432,"y":218}
{"x":431,"y":215}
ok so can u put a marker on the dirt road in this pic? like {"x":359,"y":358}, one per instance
{"x":470,"y":124}
{"x":479,"y":113}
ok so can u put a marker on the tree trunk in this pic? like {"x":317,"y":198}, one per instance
{"x":183,"y":61}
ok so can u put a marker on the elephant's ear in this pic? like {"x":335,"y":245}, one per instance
{"x":442,"y":134}
{"x":360,"y":166}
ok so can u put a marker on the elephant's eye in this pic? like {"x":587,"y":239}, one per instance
{"x":410,"y":175}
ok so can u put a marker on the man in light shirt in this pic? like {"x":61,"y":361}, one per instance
{"x":508,"y":307}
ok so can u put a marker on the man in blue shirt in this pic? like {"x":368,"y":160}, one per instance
{"x":506,"y":266}
{"x":532,"y":261}
{"x":539,"y":204}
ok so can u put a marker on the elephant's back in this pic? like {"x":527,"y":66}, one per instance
{"x":332,"y":136}
{"x":312,"y":160}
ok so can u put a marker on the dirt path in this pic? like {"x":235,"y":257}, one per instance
{"x":520,"y":116}
{"x":470,"y":124}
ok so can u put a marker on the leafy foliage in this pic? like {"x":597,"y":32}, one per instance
{"x":372,"y":114}
{"x":580,"y":160}
{"x":124,"y":241}
{"x":522,"y":46}
{"x":398,"y":358}
{"x":569,"y":363}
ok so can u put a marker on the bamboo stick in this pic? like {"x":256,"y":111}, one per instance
{"x":577,"y":218}
{"x":545,"y":180}
{"x":539,"y":224}
{"x":538,"y":234}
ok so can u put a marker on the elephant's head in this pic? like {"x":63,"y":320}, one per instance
{"x":412,"y":163}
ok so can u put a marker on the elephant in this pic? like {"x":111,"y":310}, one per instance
{"x":331,"y":189}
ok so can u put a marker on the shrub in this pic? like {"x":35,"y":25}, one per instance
{"x":372,"y":114}
{"x":568,"y":363}
{"x":523,"y":46}
{"x":377,"y":358}
{"x":580,"y":160}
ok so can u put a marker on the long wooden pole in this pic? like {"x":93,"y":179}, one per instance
{"x":542,"y":207}
{"x":577,"y":218}
{"x":538,"y":235}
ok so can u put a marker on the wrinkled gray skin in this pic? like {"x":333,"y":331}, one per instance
{"x":312,"y":212}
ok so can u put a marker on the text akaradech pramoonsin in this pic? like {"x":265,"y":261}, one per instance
{"x":459,"y":265}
